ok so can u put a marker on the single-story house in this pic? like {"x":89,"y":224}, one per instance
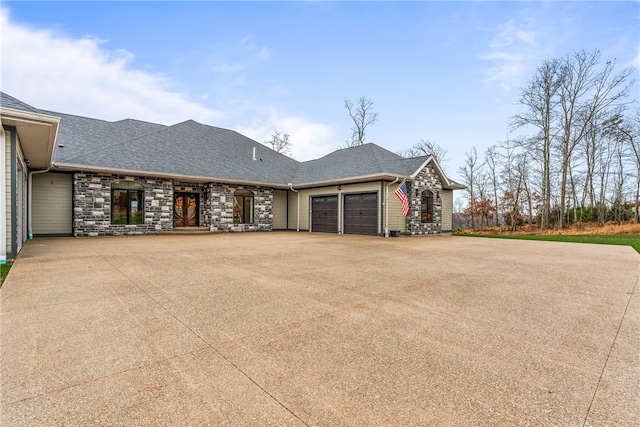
{"x":66,"y":175}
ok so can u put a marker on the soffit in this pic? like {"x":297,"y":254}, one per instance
{"x":36,"y":135}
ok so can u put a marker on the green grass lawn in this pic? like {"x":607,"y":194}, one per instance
{"x":632,"y":240}
{"x":4,"y":270}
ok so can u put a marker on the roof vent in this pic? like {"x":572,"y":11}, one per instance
{"x":254,"y":153}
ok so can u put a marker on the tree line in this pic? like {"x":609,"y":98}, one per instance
{"x":578,"y":158}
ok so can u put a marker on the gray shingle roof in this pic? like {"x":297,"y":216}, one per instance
{"x":8,"y":101}
{"x":196,"y":150}
{"x":363,"y":160}
{"x":79,"y":136}
{"x":192,"y":149}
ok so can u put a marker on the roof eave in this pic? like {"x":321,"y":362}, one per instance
{"x":385,"y":176}
{"x":71,"y":167}
{"x":38,"y":134}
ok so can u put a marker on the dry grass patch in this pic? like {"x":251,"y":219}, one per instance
{"x":627,"y":234}
{"x":585,"y":228}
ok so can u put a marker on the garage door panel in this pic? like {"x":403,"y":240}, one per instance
{"x":52,"y":204}
{"x":324,"y":214}
{"x":361,"y":214}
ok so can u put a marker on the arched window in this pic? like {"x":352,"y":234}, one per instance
{"x":127,"y":203}
{"x":243,"y":207}
{"x":426,"y":206}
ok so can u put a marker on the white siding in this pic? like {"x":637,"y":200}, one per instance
{"x":447,"y":210}
{"x":279,"y":210}
{"x":52,"y":204}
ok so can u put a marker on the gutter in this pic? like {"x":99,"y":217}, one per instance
{"x":71,"y":167}
{"x":386,"y":207}
{"x":298,"y":217}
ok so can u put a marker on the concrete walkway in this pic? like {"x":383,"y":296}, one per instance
{"x":307,"y":329}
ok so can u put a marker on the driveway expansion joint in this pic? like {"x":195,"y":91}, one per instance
{"x":613,"y":343}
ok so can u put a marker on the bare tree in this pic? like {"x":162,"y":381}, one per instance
{"x":625,"y":135}
{"x":541,"y":98}
{"x":565,"y":103}
{"x":363,"y":116}
{"x":491,"y":161}
{"x":528,"y":192}
{"x":425,"y":147}
{"x":458,"y":219}
{"x":634,"y":141}
{"x":280,"y":142}
{"x":584,"y":93}
{"x":470,"y":173}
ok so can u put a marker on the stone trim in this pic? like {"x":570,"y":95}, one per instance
{"x":426,"y":179}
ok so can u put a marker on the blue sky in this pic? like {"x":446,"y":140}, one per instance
{"x":450,"y":72}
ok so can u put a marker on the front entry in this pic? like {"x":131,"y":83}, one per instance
{"x":186,"y":209}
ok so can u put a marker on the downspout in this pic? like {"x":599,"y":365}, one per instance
{"x":30,"y":197}
{"x":386,"y":208}
{"x":297,"y":197}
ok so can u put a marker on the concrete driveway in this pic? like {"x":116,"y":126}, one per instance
{"x":308,"y":329}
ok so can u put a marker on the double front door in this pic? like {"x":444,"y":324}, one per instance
{"x":186,"y":209}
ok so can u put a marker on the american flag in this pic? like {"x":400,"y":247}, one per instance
{"x":401,"y":193}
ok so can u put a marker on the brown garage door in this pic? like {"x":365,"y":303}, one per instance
{"x":324,"y":214}
{"x":361,"y":213}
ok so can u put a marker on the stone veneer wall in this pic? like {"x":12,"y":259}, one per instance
{"x":426,"y":179}
{"x":218,"y":208}
{"x":92,"y":205}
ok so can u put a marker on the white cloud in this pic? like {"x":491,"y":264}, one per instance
{"x":512,"y":51}
{"x":635,"y":62}
{"x":227,"y":68}
{"x":310,"y":140}
{"x":81,"y":76}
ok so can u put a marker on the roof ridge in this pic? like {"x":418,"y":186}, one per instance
{"x":139,"y":121}
{"x":82,"y":117}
